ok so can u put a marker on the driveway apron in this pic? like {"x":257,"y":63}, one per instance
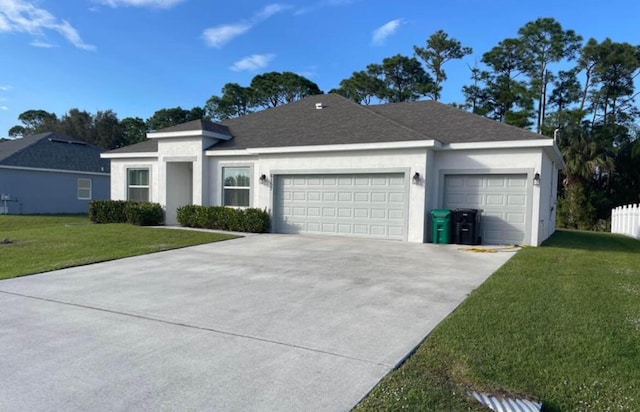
{"x":266,"y":322}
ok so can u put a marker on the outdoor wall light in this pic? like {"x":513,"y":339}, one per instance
{"x":416,"y":178}
{"x":536,"y":179}
{"x":263,"y":179}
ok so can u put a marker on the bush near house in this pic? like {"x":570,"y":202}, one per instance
{"x":122,"y":211}
{"x":224,"y":218}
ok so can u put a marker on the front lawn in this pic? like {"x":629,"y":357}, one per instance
{"x":559,"y":323}
{"x":43,"y":243}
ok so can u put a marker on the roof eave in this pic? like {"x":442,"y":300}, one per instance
{"x":129,"y":155}
{"x":188,"y":133}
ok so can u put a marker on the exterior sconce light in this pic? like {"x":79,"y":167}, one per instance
{"x":536,"y":179}
{"x":263,"y":179}
{"x":416,"y":178}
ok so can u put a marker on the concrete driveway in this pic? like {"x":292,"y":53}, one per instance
{"x":268,"y":322}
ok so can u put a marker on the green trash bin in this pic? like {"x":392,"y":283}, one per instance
{"x":441,"y":219}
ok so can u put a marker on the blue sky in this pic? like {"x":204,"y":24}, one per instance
{"x":139,"y":56}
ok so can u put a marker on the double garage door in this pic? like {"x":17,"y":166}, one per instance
{"x":366,"y":205}
{"x":503,"y":201}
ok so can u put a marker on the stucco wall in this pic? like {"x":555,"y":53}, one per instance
{"x":404,"y":160}
{"x":48,"y":192}
{"x":495,"y":161}
{"x":119,"y":177}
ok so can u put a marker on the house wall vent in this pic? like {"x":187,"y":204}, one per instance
{"x":319,"y":106}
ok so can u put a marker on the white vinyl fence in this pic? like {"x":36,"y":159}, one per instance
{"x":626,"y":220}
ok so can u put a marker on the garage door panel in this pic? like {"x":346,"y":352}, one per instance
{"x":516,"y":200}
{"x":502,"y":199}
{"x":361,"y":196}
{"x":495,"y":200}
{"x":353,"y":205}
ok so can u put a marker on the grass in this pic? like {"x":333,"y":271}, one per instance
{"x":44,"y":243}
{"x":558,"y":323}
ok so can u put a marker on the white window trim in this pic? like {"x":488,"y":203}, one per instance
{"x":250,"y":188}
{"x":90,"y":188}
{"x":147,"y":186}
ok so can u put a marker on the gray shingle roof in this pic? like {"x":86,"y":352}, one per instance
{"x":341,"y":121}
{"x":197,"y":125}
{"x":52,"y":151}
{"x":449,"y":124}
{"x":148,"y":146}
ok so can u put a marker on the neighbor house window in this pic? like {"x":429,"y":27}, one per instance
{"x":84,"y":189}
{"x":138,"y":185}
{"x":236,"y":186}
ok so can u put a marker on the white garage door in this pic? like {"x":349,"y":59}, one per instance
{"x":502,"y":199}
{"x":367,"y":205}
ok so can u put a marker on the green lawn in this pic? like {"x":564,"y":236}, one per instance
{"x":559,"y":323}
{"x":43,"y":243}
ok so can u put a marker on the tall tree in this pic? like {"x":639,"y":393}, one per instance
{"x":403,"y":77}
{"x":78,"y":124}
{"x":235,"y":101}
{"x":544,"y":42}
{"x":34,"y":121}
{"x":176,"y":115}
{"x":109,"y":132}
{"x":501,"y":92}
{"x":134,"y":130}
{"x":617,"y":67}
{"x":361,"y":87}
{"x":275,"y":89}
{"x":440,"y":49}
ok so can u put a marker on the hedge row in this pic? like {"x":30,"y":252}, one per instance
{"x":224,"y":218}
{"x":123,"y":211}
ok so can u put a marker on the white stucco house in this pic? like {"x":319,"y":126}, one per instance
{"x":325,"y":165}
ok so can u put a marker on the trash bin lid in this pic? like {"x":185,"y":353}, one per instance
{"x":441,"y":213}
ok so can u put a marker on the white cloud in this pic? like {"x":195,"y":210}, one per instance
{"x":23,"y":16}
{"x":4,"y":87}
{"x":270,"y":10}
{"x":220,"y":35}
{"x":4,"y":107}
{"x":383,"y":32}
{"x":42,"y":44}
{"x":253,"y":62}
{"x":162,"y":4}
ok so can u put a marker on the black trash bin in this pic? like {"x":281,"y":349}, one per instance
{"x":466,"y":224}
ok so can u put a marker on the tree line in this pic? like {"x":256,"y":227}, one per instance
{"x":546,"y":79}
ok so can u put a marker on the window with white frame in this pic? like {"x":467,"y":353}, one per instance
{"x":138,"y":185}
{"x":236,"y":186}
{"x":84,"y":189}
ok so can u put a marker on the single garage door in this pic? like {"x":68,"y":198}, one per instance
{"x":502,"y":199}
{"x":366,"y":205}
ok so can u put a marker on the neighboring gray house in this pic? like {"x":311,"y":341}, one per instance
{"x":327,"y":166}
{"x":49,"y":173}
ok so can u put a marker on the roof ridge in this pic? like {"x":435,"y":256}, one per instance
{"x":366,"y":107}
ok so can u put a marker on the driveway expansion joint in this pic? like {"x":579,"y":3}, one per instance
{"x":202,"y":328}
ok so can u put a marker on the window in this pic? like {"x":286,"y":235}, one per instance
{"x":236,"y":186}
{"x":84,"y":189}
{"x":138,"y":185}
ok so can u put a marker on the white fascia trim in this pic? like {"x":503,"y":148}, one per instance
{"x":508,"y":144}
{"x":129,"y":155}
{"x":37,"y":169}
{"x":326,"y":148}
{"x":188,"y":133}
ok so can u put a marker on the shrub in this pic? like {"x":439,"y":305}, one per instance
{"x":224,"y":218}
{"x":144,"y":214}
{"x":108,"y":211}
{"x":256,"y":221}
{"x":122,"y":211}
